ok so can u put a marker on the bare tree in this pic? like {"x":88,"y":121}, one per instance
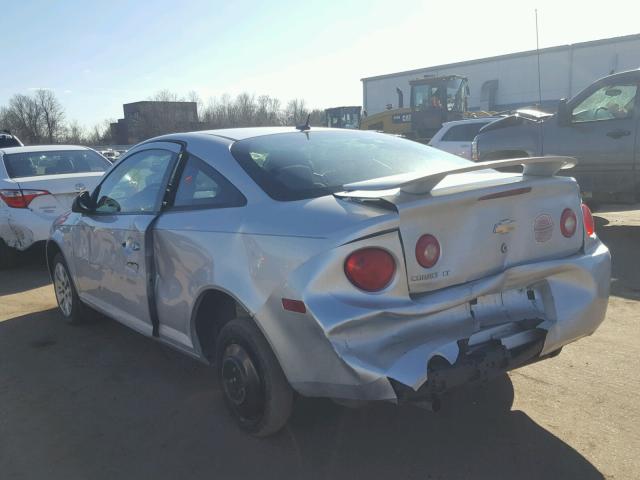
{"x":51,"y":112}
{"x":74,"y":134}
{"x":166,"y":96}
{"x":318,"y":118}
{"x":23,"y":117}
{"x":41,"y":118}
{"x":296,"y":111}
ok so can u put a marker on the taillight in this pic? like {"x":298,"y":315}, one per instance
{"x":20,"y":198}
{"x":474,"y":150}
{"x":568,"y":223}
{"x":427,"y":250}
{"x":370,"y":269}
{"x":589,"y":224}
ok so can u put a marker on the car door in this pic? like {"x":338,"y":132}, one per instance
{"x":203,"y":196}
{"x":600,"y":132}
{"x":114,"y":262}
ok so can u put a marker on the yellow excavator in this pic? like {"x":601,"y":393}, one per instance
{"x":434,"y":101}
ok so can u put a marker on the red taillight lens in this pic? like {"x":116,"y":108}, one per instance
{"x":589,"y":224}
{"x":20,"y":198}
{"x":370,"y":269}
{"x":427,"y":250}
{"x":568,"y":222}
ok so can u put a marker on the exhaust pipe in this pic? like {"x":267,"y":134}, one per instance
{"x":400,"y":98}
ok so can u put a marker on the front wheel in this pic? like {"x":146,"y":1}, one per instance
{"x":255,"y":389}
{"x":69,"y":304}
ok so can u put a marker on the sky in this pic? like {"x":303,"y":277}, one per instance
{"x":96,"y":55}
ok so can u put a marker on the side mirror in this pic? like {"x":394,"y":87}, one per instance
{"x":563,"y":112}
{"x":83,"y":203}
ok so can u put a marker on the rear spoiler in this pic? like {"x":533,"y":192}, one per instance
{"x":424,"y":182}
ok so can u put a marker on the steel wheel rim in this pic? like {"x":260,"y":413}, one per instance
{"x":241,"y":383}
{"x":62,"y":286}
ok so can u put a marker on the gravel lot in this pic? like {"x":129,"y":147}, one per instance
{"x":101,"y":402}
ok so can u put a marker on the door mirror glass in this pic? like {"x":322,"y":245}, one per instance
{"x":83,"y":203}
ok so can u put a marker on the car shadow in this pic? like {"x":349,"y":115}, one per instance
{"x":622,"y":240}
{"x":29,"y":272}
{"x":100,"y":401}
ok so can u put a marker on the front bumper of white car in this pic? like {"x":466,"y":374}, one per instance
{"x":344,"y":348}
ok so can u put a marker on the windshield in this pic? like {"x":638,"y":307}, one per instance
{"x":294,"y":166}
{"x":35,"y":164}
{"x":439,"y":94}
{"x":343,"y":119}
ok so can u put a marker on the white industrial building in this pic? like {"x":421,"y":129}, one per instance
{"x":510,"y":81}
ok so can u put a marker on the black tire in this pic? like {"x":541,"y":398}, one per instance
{"x":253,"y":384}
{"x":65,"y":290}
{"x":8,"y":255}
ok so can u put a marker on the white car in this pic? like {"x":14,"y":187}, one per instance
{"x":456,"y":137}
{"x":38,"y":184}
{"x":110,"y":155}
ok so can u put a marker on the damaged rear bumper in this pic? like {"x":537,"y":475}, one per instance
{"x":21,"y":228}
{"x":426,"y":344}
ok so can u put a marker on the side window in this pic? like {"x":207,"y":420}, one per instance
{"x":136,"y":184}
{"x":463,"y":133}
{"x":202,"y":186}
{"x":607,"y":103}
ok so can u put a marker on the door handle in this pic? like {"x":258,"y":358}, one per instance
{"x":132,"y":244}
{"x":618,"y":133}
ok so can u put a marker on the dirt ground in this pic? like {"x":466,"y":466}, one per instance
{"x":101,"y":402}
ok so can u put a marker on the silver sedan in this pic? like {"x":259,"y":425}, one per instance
{"x":351,"y":265}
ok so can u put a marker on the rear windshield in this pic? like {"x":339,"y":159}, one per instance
{"x":35,"y":164}
{"x":9,"y":141}
{"x":294,"y":166}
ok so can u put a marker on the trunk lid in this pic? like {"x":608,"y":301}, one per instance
{"x":484,"y":221}
{"x":63,"y":189}
{"x":483,"y":231}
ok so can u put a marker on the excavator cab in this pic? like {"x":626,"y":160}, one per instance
{"x":343,"y":117}
{"x":434,"y":101}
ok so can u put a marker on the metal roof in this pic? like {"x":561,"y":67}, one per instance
{"x":591,"y":43}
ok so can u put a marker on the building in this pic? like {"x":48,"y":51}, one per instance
{"x":510,"y":81}
{"x":148,"y":119}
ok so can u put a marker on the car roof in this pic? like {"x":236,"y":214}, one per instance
{"x":235,"y":134}
{"x":41,"y":148}
{"x":470,"y":120}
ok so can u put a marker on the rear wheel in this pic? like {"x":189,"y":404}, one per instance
{"x":8,"y":255}
{"x":255,"y":389}
{"x":69,"y":303}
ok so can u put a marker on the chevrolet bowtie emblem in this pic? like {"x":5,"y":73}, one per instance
{"x":504,"y":226}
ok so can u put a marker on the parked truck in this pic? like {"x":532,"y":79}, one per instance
{"x":599,"y":127}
